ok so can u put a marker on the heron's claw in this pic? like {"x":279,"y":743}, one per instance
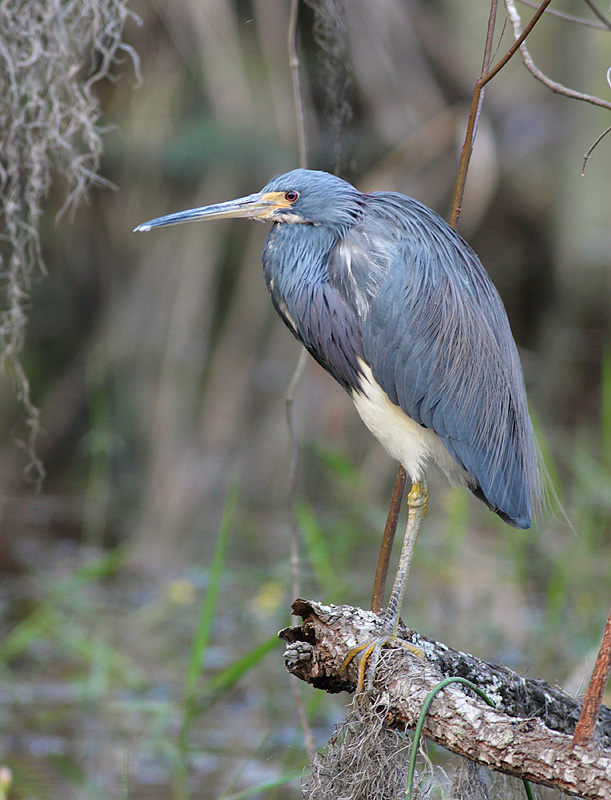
{"x":370,"y":651}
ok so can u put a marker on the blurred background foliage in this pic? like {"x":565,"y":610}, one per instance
{"x":159,"y":368}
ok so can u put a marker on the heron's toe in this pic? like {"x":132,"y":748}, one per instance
{"x":368,"y":655}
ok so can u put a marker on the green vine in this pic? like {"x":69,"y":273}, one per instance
{"x":418,"y":732}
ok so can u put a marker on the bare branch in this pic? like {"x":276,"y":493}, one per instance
{"x":518,"y":42}
{"x":289,"y":398}
{"x":606,"y":23}
{"x":570,"y":17}
{"x":485,"y":75}
{"x":540,"y":76}
{"x":296,"y":76}
{"x":471,"y":132}
{"x":590,"y":149}
{"x":390,"y":529}
{"x":586,"y":724}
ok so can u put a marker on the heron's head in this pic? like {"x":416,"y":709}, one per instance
{"x":301,"y":196}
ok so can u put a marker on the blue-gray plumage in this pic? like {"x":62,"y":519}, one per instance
{"x":381,"y":279}
{"x":397,"y":307}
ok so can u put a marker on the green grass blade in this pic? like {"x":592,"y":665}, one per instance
{"x":263,"y":787}
{"x":229,"y":676}
{"x":548,"y":459}
{"x":101,"y":444}
{"x":317,"y":548}
{"x":104,"y":566}
{"x":200,"y":644}
{"x":338,"y":463}
{"x":605,"y":410}
{"x":208,"y":607}
{"x":37,"y":624}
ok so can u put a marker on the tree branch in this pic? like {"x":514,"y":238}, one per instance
{"x":294,"y":65}
{"x":588,"y":23}
{"x":486,"y":74}
{"x":559,"y":88}
{"x":289,"y":397}
{"x":517,"y":44}
{"x":473,"y":121}
{"x":528,"y":735}
{"x":592,"y":6}
{"x":592,"y":702}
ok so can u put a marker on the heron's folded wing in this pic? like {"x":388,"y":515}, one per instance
{"x":438,"y":342}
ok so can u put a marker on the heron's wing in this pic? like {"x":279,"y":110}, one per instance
{"x":437,"y":339}
{"x":326,"y":325}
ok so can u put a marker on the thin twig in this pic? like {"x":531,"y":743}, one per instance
{"x":598,"y":139}
{"x":294,"y":63}
{"x":289,"y":400}
{"x":467,"y":148}
{"x":488,"y":74}
{"x":599,"y":14}
{"x":517,"y":44}
{"x":296,"y":77}
{"x":569,"y":17}
{"x":290,"y":392}
{"x":590,"y":149}
{"x":536,"y":72}
{"x":377,"y":598}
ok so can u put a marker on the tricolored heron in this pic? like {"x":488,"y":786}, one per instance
{"x":397,"y":307}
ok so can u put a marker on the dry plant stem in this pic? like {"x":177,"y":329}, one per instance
{"x":377,"y":597}
{"x":290,"y":392}
{"x":592,"y":703}
{"x":591,"y":149}
{"x":294,"y":64}
{"x":598,"y":14}
{"x":554,"y":85}
{"x":528,"y":735}
{"x":517,"y":44}
{"x":570,"y":18}
{"x":483,"y":79}
{"x":514,"y":18}
{"x":476,"y":103}
{"x":289,"y":400}
{"x":296,"y":76}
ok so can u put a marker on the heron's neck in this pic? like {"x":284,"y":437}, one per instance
{"x":295,"y":263}
{"x":296,"y":255}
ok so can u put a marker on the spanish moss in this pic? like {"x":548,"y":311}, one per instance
{"x":52,"y":53}
{"x":331,"y":37}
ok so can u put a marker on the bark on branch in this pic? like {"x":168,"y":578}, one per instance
{"x":527,"y":735}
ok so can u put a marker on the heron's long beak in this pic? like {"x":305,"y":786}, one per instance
{"x":255,"y":206}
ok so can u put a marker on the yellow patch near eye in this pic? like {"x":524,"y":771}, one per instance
{"x":277,"y":198}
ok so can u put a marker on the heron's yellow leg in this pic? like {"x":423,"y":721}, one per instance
{"x":417,"y":501}
{"x":370,"y":650}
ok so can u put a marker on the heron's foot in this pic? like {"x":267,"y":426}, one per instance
{"x":368,"y":655}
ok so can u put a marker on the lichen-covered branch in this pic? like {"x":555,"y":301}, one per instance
{"x":528,"y":734}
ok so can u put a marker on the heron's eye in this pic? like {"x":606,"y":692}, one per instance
{"x":291,"y":196}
